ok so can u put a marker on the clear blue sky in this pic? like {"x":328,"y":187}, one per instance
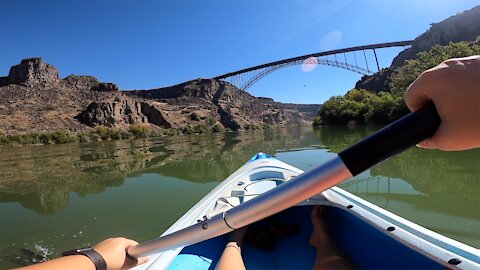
{"x":149,"y":44}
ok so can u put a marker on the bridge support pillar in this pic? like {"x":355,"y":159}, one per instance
{"x":376,"y":59}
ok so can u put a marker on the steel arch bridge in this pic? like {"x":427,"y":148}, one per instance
{"x":245,"y":78}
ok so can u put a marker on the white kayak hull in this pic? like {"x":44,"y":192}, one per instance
{"x":418,"y":246}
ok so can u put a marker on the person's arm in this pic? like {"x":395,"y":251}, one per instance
{"x":113,"y":251}
{"x":454,"y":88}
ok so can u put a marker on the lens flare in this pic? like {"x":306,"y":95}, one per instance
{"x":330,"y":40}
{"x":309,"y":64}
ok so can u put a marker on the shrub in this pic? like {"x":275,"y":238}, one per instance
{"x":360,"y":106}
{"x":200,"y":129}
{"x":138,"y":130}
{"x":216,"y":128}
{"x":401,"y":79}
{"x":83,"y":137}
{"x":187,"y":130}
{"x":62,"y":136}
{"x":4,"y":140}
{"x":317,"y":121}
{"x":102,"y":132}
{"x":210,"y":121}
{"x":125,"y":135}
{"x":115,"y":134}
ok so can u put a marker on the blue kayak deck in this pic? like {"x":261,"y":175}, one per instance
{"x":366,"y":246}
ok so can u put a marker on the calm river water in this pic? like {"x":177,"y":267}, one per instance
{"x":58,"y":197}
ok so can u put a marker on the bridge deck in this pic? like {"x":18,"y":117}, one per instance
{"x":303,"y":57}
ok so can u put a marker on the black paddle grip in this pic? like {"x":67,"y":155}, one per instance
{"x":392,"y":139}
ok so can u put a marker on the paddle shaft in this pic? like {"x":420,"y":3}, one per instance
{"x":388,"y":141}
{"x":392,"y":139}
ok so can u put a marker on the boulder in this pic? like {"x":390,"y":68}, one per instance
{"x":155,"y":115}
{"x":194,"y":116}
{"x":4,"y":81}
{"x":112,"y":114}
{"x":105,"y":87}
{"x":85,"y":82}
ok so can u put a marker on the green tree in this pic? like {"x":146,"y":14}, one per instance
{"x":379,"y":107}
{"x":401,"y":79}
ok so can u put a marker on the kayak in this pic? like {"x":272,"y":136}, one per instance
{"x":371,"y":237}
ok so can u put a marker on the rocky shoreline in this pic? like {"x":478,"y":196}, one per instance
{"x":34,"y":100}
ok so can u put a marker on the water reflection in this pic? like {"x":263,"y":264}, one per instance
{"x":82,"y":193}
{"x":428,"y":187}
{"x":42,"y":177}
{"x":455,"y":175}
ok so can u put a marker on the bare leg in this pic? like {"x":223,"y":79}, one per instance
{"x":329,"y":256}
{"x":231,"y":258}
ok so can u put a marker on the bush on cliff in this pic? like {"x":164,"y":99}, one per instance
{"x":401,"y":79}
{"x":56,"y":137}
{"x":62,"y":136}
{"x":216,"y":128}
{"x":139,"y":130}
{"x":362,"y":107}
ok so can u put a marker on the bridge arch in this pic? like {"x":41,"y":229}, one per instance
{"x":245,"y":78}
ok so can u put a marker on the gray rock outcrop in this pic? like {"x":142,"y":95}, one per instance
{"x":156,"y":116}
{"x":105,"y":87}
{"x":228,"y":105}
{"x":112,"y":114}
{"x":464,"y":26}
{"x":376,"y":82}
{"x":31,"y":72}
{"x":85,"y":82}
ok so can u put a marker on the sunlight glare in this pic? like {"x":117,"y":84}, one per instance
{"x":330,"y":40}
{"x":309,"y":64}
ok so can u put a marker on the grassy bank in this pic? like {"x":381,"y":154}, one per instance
{"x":101,"y":133}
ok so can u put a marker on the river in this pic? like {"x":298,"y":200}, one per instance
{"x":58,"y":197}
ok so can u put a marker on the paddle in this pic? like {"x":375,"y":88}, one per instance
{"x":388,"y":141}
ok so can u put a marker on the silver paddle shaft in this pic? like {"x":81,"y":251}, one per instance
{"x":275,"y":200}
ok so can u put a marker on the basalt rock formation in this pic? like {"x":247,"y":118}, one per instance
{"x":376,"y":82}
{"x":31,"y":72}
{"x":203,"y":99}
{"x":464,"y":26}
{"x":34,"y":98}
{"x":112,"y":113}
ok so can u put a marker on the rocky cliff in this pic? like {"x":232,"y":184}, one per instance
{"x":464,"y":26}
{"x":203,"y":99}
{"x":34,"y":98}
